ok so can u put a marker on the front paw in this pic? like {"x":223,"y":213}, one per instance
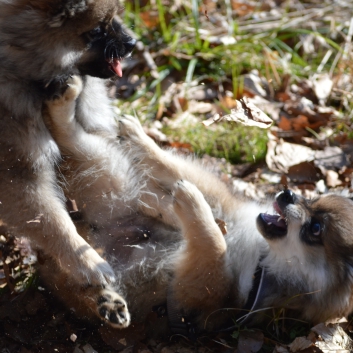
{"x":64,"y":88}
{"x":56,"y":87}
{"x":112,"y":309}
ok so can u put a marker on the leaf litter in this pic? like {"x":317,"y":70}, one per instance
{"x":309,"y":149}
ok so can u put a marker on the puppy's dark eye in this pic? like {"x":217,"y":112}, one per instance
{"x":316,"y":228}
{"x":95,"y":33}
{"x":312,"y":232}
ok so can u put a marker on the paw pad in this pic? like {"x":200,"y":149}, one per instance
{"x":113,"y":309}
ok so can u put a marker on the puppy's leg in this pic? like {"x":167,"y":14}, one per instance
{"x":165,"y":168}
{"x":202,"y":280}
{"x":60,"y":116}
{"x":162,"y":170}
{"x":89,"y":302}
{"x":95,"y":151}
{"x":38,"y":212}
{"x":85,"y":147}
{"x":98,"y":172}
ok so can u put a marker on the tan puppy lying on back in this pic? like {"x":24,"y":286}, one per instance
{"x":153,"y":215}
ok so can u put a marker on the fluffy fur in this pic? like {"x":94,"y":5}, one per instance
{"x":41,"y":43}
{"x":153,"y":214}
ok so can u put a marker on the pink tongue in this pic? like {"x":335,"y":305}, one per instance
{"x":116,"y":66}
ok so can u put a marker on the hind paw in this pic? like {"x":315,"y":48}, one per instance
{"x":189,"y":202}
{"x":187,"y":196}
{"x":112,"y":308}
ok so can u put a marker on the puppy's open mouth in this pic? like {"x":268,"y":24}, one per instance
{"x":115,"y":66}
{"x":272,"y":226}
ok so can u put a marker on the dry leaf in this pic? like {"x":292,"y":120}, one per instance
{"x":245,"y":113}
{"x":324,"y":338}
{"x":299,"y":344}
{"x":332,"y":338}
{"x":222,"y":225}
{"x":300,"y":122}
{"x":150,"y":19}
{"x":283,"y":96}
{"x":331,"y":157}
{"x":304,"y":172}
{"x":255,"y":84}
{"x":200,"y":107}
{"x":228,"y":102}
{"x":248,"y":189}
{"x":322,"y":85}
{"x":119,"y":339}
{"x":123,"y":341}
{"x":332,"y":179}
{"x":297,"y":124}
{"x":283,"y":155}
{"x":242,"y":8}
{"x":182,"y":146}
{"x":285,"y":124}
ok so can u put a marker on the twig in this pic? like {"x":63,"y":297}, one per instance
{"x":348,"y":44}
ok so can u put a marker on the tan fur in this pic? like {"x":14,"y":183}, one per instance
{"x":154,"y":217}
{"x":195,"y":284}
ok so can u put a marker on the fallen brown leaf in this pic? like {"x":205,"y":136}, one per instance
{"x":222,"y":225}
{"x":150,"y":19}
{"x":304,"y":172}
{"x":331,"y":157}
{"x":299,"y":344}
{"x":332,"y":179}
{"x":119,"y":339}
{"x":282,"y":155}
{"x":245,"y":113}
{"x":284,"y":124}
{"x":332,"y":338}
{"x":242,"y":8}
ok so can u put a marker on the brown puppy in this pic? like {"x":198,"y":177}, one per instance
{"x":154,"y":214}
{"x":42,"y":42}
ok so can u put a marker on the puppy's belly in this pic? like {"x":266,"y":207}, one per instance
{"x":134,"y":239}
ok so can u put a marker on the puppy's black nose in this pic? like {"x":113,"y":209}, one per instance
{"x":285,"y":198}
{"x":130,"y":45}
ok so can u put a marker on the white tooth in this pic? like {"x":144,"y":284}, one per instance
{"x":269,"y":223}
{"x":279,"y":218}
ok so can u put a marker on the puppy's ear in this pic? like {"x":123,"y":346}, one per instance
{"x":54,"y":9}
{"x":60,"y":10}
